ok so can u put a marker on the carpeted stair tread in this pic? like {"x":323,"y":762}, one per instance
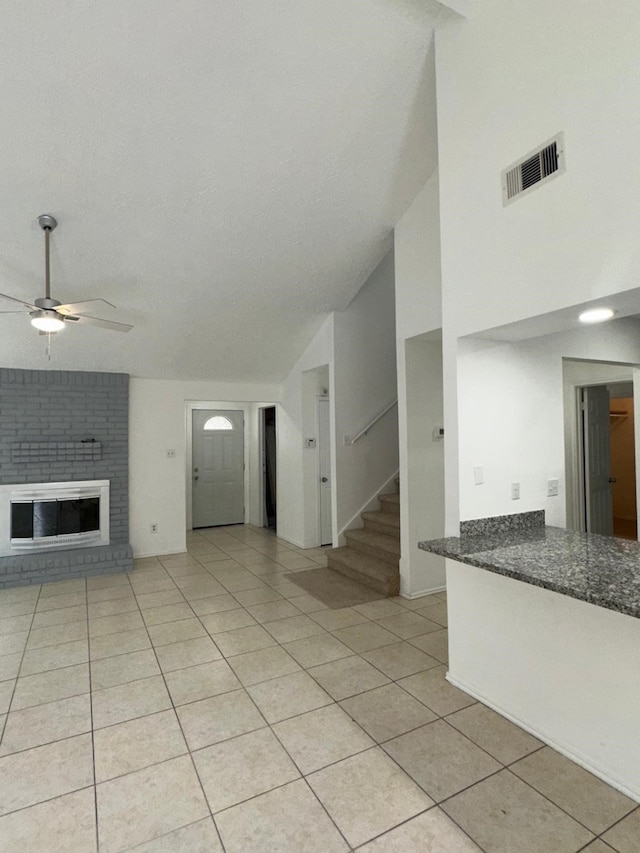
{"x":372,"y":552}
{"x":382,"y":522}
{"x":376,"y":544}
{"x":375,"y":573}
{"x":390,"y":503}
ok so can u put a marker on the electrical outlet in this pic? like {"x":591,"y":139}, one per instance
{"x":552,"y":488}
{"x":154,"y":528}
{"x":515,"y":491}
{"x":171,"y":454}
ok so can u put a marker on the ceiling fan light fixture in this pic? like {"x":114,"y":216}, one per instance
{"x":46,"y":321}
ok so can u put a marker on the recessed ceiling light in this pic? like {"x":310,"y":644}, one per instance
{"x":596,"y":315}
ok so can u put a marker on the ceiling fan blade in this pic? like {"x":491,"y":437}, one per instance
{"x":13,"y":312}
{"x":97,"y":321}
{"x":81,"y":307}
{"x":19,"y":301}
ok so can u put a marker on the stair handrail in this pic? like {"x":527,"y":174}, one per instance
{"x":351,"y":439}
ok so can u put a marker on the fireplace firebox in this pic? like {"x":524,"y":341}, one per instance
{"x":45,"y":516}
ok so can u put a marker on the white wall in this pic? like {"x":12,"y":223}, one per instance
{"x":511,"y":415}
{"x":507,"y":80}
{"x":417,"y":264}
{"x":315,"y":384}
{"x":422,"y":478}
{"x":364,"y":384}
{"x":297,"y":518}
{"x":157,"y":484}
{"x":419,"y":366}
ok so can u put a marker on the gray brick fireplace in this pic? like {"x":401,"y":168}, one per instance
{"x":65,"y":426}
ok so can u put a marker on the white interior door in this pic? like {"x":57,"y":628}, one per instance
{"x":218,"y":467}
{"x":597,"y":460}
{"x":324,"y":470}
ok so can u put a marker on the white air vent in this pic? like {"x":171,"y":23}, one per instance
{"x":536,"y":168}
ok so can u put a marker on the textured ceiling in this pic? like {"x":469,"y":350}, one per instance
{"x":224,"y":172}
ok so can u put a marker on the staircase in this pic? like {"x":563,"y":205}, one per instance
{"x":372,"y":553}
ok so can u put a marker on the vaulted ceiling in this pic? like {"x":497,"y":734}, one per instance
{"x":224,"y":172}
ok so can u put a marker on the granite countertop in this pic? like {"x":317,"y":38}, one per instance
{"x":598,"y":569}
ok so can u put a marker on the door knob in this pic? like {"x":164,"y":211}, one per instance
{"x":613,"y":480}
{"x":324,"y":479}
{"x":196,"y":477}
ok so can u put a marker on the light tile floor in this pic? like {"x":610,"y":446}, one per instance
{"x":206,"y":703}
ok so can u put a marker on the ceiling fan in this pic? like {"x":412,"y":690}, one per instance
{"x":47,"y":314}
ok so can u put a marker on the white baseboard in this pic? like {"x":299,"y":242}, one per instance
{"x":145,"y":555}
{"x":293,"y":541}
{"x":422,"y":593}
{"x":545,"y":738}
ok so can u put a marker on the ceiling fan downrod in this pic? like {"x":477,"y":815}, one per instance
{"x":47,"y":223}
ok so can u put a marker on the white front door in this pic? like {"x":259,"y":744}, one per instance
{"x":324,"y":470}
{"x":597,"y":460}
{"x":218,"y":467}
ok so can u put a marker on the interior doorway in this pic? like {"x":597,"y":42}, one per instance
{"x":601,"y":446}
{"x":269,"y":468}
{"x":623,"y":460}
{"x":608,"y":465}
{"x":608,"y":459}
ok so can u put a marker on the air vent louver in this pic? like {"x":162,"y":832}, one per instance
{"x":531,"y":171}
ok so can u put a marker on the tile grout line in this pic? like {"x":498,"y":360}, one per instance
{"x":604,"y":831}
{"x":374,"y":745}
{"x":507,"y":769}
{"x":17,"y":752}
{"x":186,"y":742}
{"x":303,"y":777}
{"x":233,"y":689}
{"x":93,"y":744}
{"x":413,"y":817}
{"x":494,"y":773}
{"x":24,"y":651}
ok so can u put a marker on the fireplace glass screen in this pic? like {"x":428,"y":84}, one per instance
{"x":37,"y":519}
